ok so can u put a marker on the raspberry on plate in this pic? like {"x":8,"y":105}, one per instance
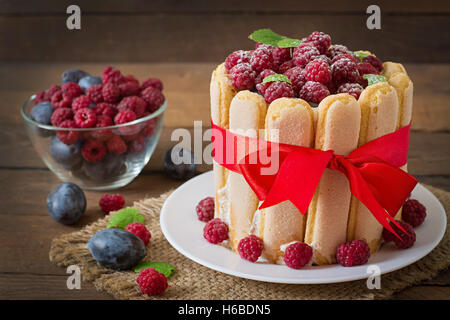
{"x":314,"y":92}
{"x":278,"y":89}
{"x":152,"y":82}
{"x":318,"y":70}
{"x":215,"y":231}
{"x":133,"y":103}
{"x":261,"y":59}
{"x":235,"y":58}
{"x":297,"y":255}
{"x":110,"y":92}
{"x":297,"y":77}
{"x":112,"y":75}
{"x":116,"y":145}
{"x":140,"y":231}
{"x":153,"y":97}
{"x":205,"y":209}
{"x":59,"y":100}
{"x":414,"y":212}
{"x":81,"y":102}
{"x":61,"y":114}
{"x":85,"y":118}
{"x":320,"y":40}
{"x":71,"y":90}
{"x":243,"y":76}
{"x":353,"y":253}
{"x":345,"y":70}
{"x":152,"y":282}
{"x":68,"y":137}
{"x":374,"y":61}
{"x":407,"y":239}
{"x":304,"y":54}
{"x":111,"y":202}
{"x":353,"y":89}
{"x":250,"y":248}
{"x":93,"y":150}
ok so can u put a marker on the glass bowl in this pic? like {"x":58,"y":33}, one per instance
{"x":113,"y":170}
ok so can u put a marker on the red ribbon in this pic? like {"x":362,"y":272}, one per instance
{"x":372,"y":170}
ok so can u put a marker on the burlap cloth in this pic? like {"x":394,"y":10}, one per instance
{"x":193,"y":281}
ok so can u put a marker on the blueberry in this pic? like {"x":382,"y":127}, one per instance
{"x":88,"y":81}
{"x":179,"y":163}
{"x":69,"y":157}
{"x":42,"y":113}
{"x":73,"y":75}
{"x":110,"y":167}
{"x":66,"y":203}
{"x":116,"y":249}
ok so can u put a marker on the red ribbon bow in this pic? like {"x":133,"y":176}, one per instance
{"x":372,"y":170}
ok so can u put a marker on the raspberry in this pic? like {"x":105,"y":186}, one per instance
{"x":320,"y":40}
{"x":345,"y":70}
{"x":95,"y":93}
{"x":112,"y":75}
{"x":318,"y":70}
{"x":344,"y":55}
{"x":285,"y":66}
{"x":261,"y":59}
{"x":59,"y":100}
{"x":102,"y":121}
{"x":85,"y":118}
{"x":67,"y":137}
{"x":116,"y":145}
{"x":124,"y":117}
{"x":110,"y":92}
{"x":93,"y":150}
{"x":353,"y":89}
{"x":40,"y":97}
{"x":111,"y":202}
{"x":297,"y":77}
{"x":152,"y":282}
{"x":374,"y":61}
{"x":262,"y":87}
{"x":331,"y":87}
{"x":105,"y":109}
{"x":153,"y":97}
{"x":130,"y":78}
{"x":250,"y":248}
{"x":61,"y":114}
{"x":81,"y":102}
{"x":71,"y":90}
{"x":242,"y":76}
{"x":278,"y":89}
{"x":205,"y":209}
{"x":406,"y":239}
{"x":150,"y":126}
{"x":129,"y":88}
{"x":324,"y":58}
{"x":137,"y":145}
{"x":140,"y":231}
{"x":314,"y":92}
{"x":297,"y":255}
{"x":133,"y":103}
{"x":152,"y":82}
{"x":414,"y":212}
{"x":280,"y":55}
{"x":264,"y":46}
{"x":215,"y":231}
{"x":50,"y":92}
{"x":337,"y":49}
{"x":304,"y":54}
{"x":353,"y":253}
{"x":235,"y":58}
{"x":366,"y":68}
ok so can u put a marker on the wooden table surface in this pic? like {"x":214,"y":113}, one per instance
{"x":26,"y":230}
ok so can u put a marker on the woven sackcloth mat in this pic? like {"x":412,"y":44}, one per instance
{"x":194,"y":281}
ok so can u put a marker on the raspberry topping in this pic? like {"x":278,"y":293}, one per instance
{"x":285,"y":66}
{"x":374,"y":61}
{"x":152,"y":82}
{"x":152,"y":282}
{"x":95,"y":93}
{"x":366,"y":68}
{"x":110,"y":92}
{"x":344,"y":55}
{"x":320,"y":40}
{"x":139,"y":230}
{"x":345,"y":70}
{"x":337,"y":49}
{"x":280,"y":55}
{"x":261,"y":59}
{"x":414,"y":212}
{"x":105,"y":109}
{"x":353,"y":253}
{"x":215,"y":231}
{"x":318,"y":70}
{"x":242,"y":76}
{"x":314,"y":92}
{"x":235,"y":58}
{"x":250,"y":248}
{"x":111,"y":202}
{"x":68,"y":137}
{"x":93,"y":150}
{"x":353,"y":89}
{"x":133,"y":103}
{"x":297,"y":77}
{"x":116,"y":145}
{"x":278,"y":89}
{"x":81,"y":102}
{"x":61,"y":114}
{"x":205,"y":209}
{"x":85,"y":118}
{"x":59,"y":100}
{"x":112,"y":75}
{"x":153,"y":97}
{"x":297,"y":255}
{"x":124,"y":117}
{"x":304,"y":54}
{"x":262,"y":87}
{"x":71,"y":90}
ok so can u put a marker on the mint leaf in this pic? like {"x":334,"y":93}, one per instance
{"x":162,"y":267}
{"x":124,"y":217}
{"x":289,"y":43}
{"x":374,"y":78}
{"x":276,"y":77}
{"x":266,"y":36}
{"x":360,"y":54}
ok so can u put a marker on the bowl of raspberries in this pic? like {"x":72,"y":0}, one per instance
{"x":96,"y":131}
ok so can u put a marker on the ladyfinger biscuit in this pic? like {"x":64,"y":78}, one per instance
{"x":247,"y":115}
{"x":391,"y":68}
{"x":338,"y":123}
{"x":379,"y":114}
{"x":221,"y":93}
{"x":288,"y":121}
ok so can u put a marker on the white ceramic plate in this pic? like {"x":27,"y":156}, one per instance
{"x":184,"y":232}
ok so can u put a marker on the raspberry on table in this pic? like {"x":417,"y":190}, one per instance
{"x":133,"y":103}
{"x":235,"y":58}
{"x":314,"y":92}
{"x":297,"y":77}
{"x":215,"y":231}
{"x":110,"y":92}
{"x":152,"y":82}
{"x":318,"y":70}
{"x":353,"y":89}
{"x":304,"y":54}
{"x":61,"y":114}
{"x":105,"y":109}
{"x":250,"y":248}
{"x":297,"y":255}
{"x":111,"y":202}
{"x":337,"y":49}
{"x":280,"y":55}
{"x":81,"y":102}
{"x":320,"y":40}
{"x":103,"y":135}
{"x":112,"y":75}
{"x":85,"y":118}
{"x":59,"y":100}
{"x":285,"y":66}
{"x":344,"y":55}
{"x":116,"y":145}
{"x":374,"y":61}
{"x":205,"y":209}
{"x":153,"y":97}
{"x":129,"y":88}
{"x":414,"y":212}
{"x":366,"y":68}
{"x":68,"y":137}
{"x":261,"y":59}
{"x":93,"y":150}
{"x":353,"y":253}
{"x":152,"y":282}
{"x":137,"y":145}
{"x":345,"y":70}
{"x":71,"y":90}
{"x":124,"y":117}
{"x":95,"y":93}
{"x":242,"y":76}
{"x":140,"y":231}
